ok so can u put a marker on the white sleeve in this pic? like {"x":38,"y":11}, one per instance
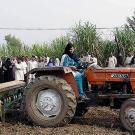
{"x":28,"y":67}
{"x":17,"y":66}
{"x":115,"y":60}
{"x":0,"y":63}
{"x":62,"y":60}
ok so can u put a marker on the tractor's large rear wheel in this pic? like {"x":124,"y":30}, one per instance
{"x":49,"y":101}
{"x":127,"y":114}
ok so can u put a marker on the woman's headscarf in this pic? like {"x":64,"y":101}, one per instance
{"x":71,"y":55}
{"x":7,"y":63}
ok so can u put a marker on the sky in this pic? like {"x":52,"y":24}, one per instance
{"x":59,"y":14}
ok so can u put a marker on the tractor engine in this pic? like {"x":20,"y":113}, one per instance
{"x":112,"y":88}
{"x":110,"y":80}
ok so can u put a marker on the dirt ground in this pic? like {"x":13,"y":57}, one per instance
{"x":97,"y":121}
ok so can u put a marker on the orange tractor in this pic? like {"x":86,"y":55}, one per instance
{"x":50,"y":100}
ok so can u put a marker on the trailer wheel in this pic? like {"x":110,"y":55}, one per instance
{"x":127,"y":114}
{"x":49,"y":101}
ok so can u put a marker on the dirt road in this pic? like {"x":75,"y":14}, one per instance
{"x":97,"y":121}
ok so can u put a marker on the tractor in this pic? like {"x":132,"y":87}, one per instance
{"x":51,"y":99}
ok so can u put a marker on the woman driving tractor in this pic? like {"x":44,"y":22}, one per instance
{"x":68,"y":59}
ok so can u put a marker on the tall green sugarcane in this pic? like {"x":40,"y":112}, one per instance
{"x":125,"y":40}
{"x":85,"y":37}
{"x":57,"y":46}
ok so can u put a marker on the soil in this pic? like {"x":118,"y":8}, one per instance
{"x":97,"y":121}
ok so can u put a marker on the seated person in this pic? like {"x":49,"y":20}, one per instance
{"x":68,"y":59}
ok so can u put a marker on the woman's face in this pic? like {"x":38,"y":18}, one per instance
{"x":71,"y":50}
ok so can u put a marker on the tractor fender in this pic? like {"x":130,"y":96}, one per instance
{"x":62,"y":72}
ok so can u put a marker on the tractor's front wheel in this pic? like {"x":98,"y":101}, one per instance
{"x":127,"y":114}
{"x":50,"y":101}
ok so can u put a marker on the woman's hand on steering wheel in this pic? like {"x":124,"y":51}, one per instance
{"x":73,"y":67}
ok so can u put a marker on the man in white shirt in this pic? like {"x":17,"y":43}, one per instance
{"x":112,"y":61}
{"x":19,"y":75}
{"x":0,"y":62}
{"x":128,"y":60}
{"x":1,"y":72}
{"x":41,"y":63}
{"x":87,"y":57}
{"x":46,"y":60}
{"x":31,"y":65}
{"x":24,"y":64}
{"x":57,"y":62}
{"x":14,"y":61}
{"x":93,"y":60}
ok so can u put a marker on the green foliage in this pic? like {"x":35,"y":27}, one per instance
{"x":107,"y":48}
{"x":3,"y":50}
{"x":86,"y":37}
{"x":39,"y":50}
{"x":25,"y":51}
{"x":57,"y":47}
{"x":88,"y":40}
{"x":125,"y":40}
{"x":131,"y":22}
{"x":12,"y":41}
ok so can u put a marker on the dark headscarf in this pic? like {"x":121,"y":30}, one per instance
{"x":7,"y":63}
{"x":71,"y":55}
{"x":67,"y":48}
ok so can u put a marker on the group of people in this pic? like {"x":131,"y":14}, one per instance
{"x":91,"y":59}
{"x":120,"y":62}
{"x":112,"y":60}
{"x":15,"y":68}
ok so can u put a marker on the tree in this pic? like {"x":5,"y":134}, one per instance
{"x":13,"y":42}
{"x":131,"y":22}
